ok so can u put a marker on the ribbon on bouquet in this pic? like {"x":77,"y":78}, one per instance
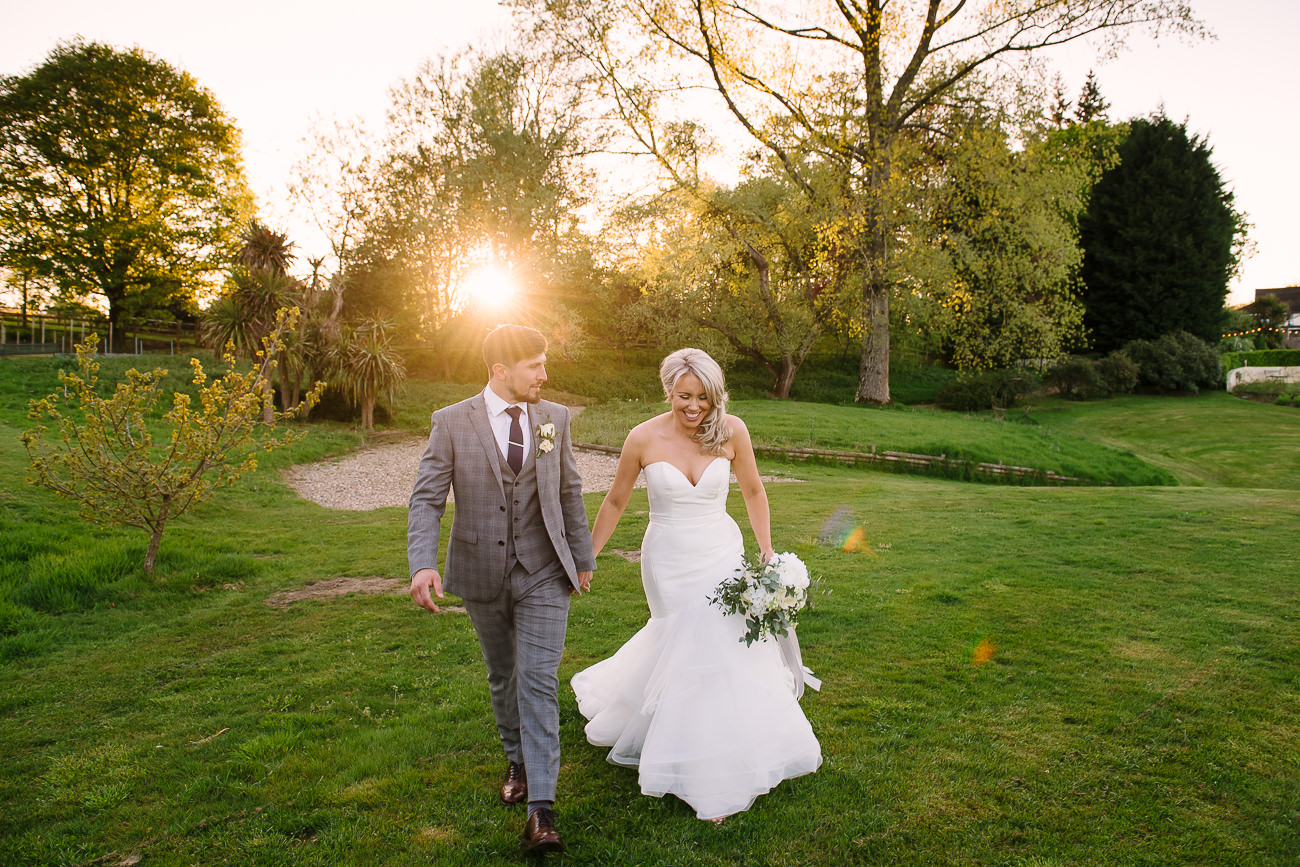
{"x":789,"y":644}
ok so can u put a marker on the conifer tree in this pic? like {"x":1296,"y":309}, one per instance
{"x":1159,"y":239}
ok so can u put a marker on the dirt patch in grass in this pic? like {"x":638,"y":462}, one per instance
{"x":333,"y":588}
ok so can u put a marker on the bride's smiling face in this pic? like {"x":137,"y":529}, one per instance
{"x":690,"y":402}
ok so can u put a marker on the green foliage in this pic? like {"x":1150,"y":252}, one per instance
{"x":1083,"y":378}
{"x":1118,"y":373}
{"x":993,"y":389}
{"x":746,"y":271}
{"x":1159,"y":239}
{"x":1008,"y":234}
{"x":1073,"y":377}
{"x":123,"y":179}
{"x":367,"y":366}
{"x":106,"y":458}
{"x":1177,"y":362}
{"x":868,"y":100}
{"x":1269,"y":313}
{"x":480,"y":169}
{"x":1262,"y":358}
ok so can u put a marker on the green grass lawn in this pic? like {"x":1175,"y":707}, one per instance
{"x":1141,"y":704}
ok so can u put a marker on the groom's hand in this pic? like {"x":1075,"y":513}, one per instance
{"x":584,"y":583}
{"x":421,"y":583}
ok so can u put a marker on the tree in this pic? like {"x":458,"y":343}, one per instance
{"x":481,"y":171}
{"x":122,"y":179}
{"x":257,"y":289}
{"x":1268,"y":314}
{"x":1059,"y":110}
{"x":1160,"y":238}
{"x":743,"y":265}
{"x":368,"y":367}
{"x":853,"y":83}
{"x":106,"y":457}
{"x":1008,"y":231}
{"x":1092,"y":105}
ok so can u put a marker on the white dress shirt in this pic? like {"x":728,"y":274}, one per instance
{"x":500,"y":419}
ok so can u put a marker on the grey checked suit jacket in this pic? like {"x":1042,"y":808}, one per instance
{"x":462,"y":456}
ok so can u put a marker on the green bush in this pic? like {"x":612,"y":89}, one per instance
{"x":1118,"y":373}
{"x":1074,"y":377}
{"x":1177,"y":362}
{"x":994,"y":389}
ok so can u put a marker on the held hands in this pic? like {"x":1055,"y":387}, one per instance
{"x":421,"y":583}
{"x":584,"y":583}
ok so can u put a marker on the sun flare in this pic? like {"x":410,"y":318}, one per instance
{"x":489,"y":287}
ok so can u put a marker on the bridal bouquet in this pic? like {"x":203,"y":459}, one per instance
{"x":770,"y":595}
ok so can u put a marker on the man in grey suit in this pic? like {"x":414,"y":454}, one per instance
{"x":519,"y":546}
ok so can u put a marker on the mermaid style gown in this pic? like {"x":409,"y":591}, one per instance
{"x":685,"y":701}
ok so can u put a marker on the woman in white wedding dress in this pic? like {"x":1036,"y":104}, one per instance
{"x":699,"y":713}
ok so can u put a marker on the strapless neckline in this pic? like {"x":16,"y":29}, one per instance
{"x":682,"y":473}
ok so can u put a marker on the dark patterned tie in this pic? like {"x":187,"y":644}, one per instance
{"x":515,"y":454}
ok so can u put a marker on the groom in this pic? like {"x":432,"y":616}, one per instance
{"x":519,"y":545}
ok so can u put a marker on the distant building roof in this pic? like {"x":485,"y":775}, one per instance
{"x":1289,"y":295}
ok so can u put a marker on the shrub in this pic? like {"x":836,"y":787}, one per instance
{"x":1073,"y":377}
{"x":1176,"y":362}
{"x":994,"y":389}
{"x":1118,"y":373}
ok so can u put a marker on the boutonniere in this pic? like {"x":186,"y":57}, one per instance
{"x":545,"y":435}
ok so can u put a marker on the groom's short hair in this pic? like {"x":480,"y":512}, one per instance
{"x":511,"y":344}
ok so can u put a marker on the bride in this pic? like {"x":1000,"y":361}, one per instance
{"x":699,"y":713}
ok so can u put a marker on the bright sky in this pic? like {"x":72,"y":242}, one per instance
{"x":276,"y":65}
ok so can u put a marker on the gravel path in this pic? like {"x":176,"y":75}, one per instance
{"x":383,"y":475}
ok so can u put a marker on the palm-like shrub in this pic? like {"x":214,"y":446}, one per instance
{"x":245,"y":314}
{"x":367,"y":367}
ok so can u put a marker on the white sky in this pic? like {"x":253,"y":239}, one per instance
{"x":276,"y":65}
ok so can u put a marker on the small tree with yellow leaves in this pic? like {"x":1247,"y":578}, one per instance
{"x":106,"y":457}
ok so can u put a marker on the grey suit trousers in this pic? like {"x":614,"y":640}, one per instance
{"x":521,"y":634}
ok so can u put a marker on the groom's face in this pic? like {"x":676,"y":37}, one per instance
{"x":523,"y":380}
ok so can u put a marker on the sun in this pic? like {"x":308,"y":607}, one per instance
{"x":489,"y":287}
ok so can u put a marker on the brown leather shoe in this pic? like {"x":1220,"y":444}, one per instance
{"x":540,"y":834}
{"x":515,"y":789}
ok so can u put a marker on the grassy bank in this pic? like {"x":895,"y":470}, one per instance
{"x":1018,"y":442}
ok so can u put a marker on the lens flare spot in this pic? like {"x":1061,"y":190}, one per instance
{"x":843,"y":532}
{"x":856,"y":542}
{"x":983,"y":651}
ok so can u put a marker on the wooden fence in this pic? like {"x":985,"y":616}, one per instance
{"x":41,"y":334}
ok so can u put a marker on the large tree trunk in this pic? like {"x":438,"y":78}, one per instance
{"x":873,"y":367}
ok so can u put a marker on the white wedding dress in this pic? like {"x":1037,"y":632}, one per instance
{"x":701,"y":715}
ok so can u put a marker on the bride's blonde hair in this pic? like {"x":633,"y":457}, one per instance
{"x":714,"y":431}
